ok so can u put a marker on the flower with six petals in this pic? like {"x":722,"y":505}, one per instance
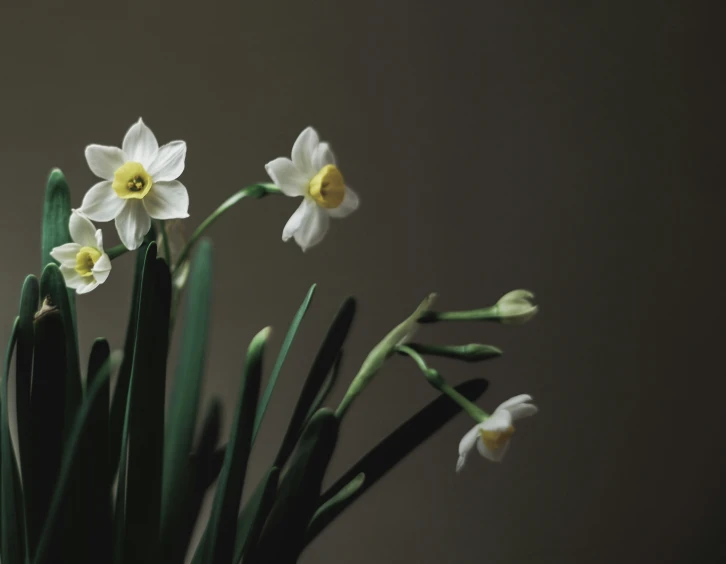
{"x":139,"y":183}
{"x":312,"y":173}
{"x":492,"y":435}
{"x":83,"y":263}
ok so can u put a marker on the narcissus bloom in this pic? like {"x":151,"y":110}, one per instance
{"x":139,"y":183}
{"x":516,"y":307}
{"x":313,"y":174}
{"x":83,"y":262}
{"x":492,"y":435}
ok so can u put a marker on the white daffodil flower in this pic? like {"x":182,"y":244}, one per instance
{"x":516,"y":307}
{"x":312,"y":173}
{"x":491,"y":436}
{"x":139,"y":183}
{"x":83,"y":262}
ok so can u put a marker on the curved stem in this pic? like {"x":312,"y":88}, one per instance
{"x":438,"y":382}
{"x":164,"y":240}
{"x":256,"y":191}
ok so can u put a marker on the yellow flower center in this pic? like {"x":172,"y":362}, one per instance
{"x":85,"y":259}
{"x":495,"y":440}
{"x":131,"y":181}
{"x":327,"y":187}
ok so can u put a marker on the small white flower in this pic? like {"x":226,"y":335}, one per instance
{"x":516,"y":307}
{"x":312,"y":173}
{"x":491,"y":437}
{"x":139,"y":183}
{"x":83,"y":263}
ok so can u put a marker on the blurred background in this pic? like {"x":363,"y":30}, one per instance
{"x":565,"y":147}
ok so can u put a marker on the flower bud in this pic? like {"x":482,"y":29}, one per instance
{"x":516,"y":307}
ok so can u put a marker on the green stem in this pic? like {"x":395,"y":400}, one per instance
{"x":256,"y":191}
{"x":161,"y":226}
{"x":483,"y":314}
{"x":117,"y":251}
{"x":438,"y":382}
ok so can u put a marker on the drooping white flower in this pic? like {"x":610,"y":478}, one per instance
{"x":312,"y":173}
{"x":83,"y":262}
{"x":139,"y":183}
{"x":491,"y":436}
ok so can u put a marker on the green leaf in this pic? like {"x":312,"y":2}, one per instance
{"x":47,"y":419}
{"x":255,"y":512}
{"x":322,"y":365}
{"x":219,"y":544}
{"x":286,"y":343}
{"x":56,"y":232}
{"x":94,"y":476}
{"x":336,"y":504}
{"x":53,"y":286}
{"x":298,"y":495}
{"x":11,"y":533}
{"x":394,"y":448}
{"x":146,"y":423}
{"x":204,"y":467}
{"x":184,"y":403}
{"x":121,"y":391}
{"x":326,"y":388}
{"x":24,"y":364}
{"x":51,"y":530}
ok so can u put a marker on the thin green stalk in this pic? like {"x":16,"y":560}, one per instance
{"x":438,"y":382}
{"x":117,"y":251}
{"x":256,"y":191}
{"x":165,"y":240}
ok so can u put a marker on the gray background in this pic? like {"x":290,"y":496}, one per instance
{"x":566,"y":147}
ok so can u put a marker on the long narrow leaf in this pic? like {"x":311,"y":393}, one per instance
{"x":184,"y":403}
{"x":121,"y":391}
{"x":255,"y":512}
{"x":93,"y":493}
{"x":326,"y":388}
{"x":146,"y":425}
{"x":53,"y":285}
{"x":24,"y":364}
{"x":56,"y":232}
{"x":336,"y":504}
{"x":315,"y":381}
{"x":96,"y":393}
{"x":299,"y":492}
{"x":202,"y":472}
{"x":394,"y":448}
{"x":11,"y":535}
{"x":286,"y":344}
{"x":219,"y":544}
{"x":47,"y":420}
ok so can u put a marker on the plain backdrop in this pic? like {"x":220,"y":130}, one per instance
{"x":571,"y":148}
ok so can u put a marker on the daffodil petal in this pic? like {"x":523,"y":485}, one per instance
{"x":87,"y":286}
{"x":501,"y":420}
{"x":349,"y":204}
{"x":516,"y":400}
{"x":522,"y":410}
{"x":82,"y":230}
{"x":296,"y":220}
{"x":101,"y":202}
{"x":303,"y":150}
{"x":290,"y":180}
{"x":322,"y":155}
{"x":495,"y":455}
{"x":140,"y":144}
{"x":66,"y":254}
{"x":132,"y":224}
{"x":466,"y":444}
{"x":167,"y":200}
{"x":313,"y":228}
{"x":72,"y":278}
{"x":168,"y":163}
{"x":102,"y":269}
{"x":99,"y":240}
{"x":104,"y":161}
